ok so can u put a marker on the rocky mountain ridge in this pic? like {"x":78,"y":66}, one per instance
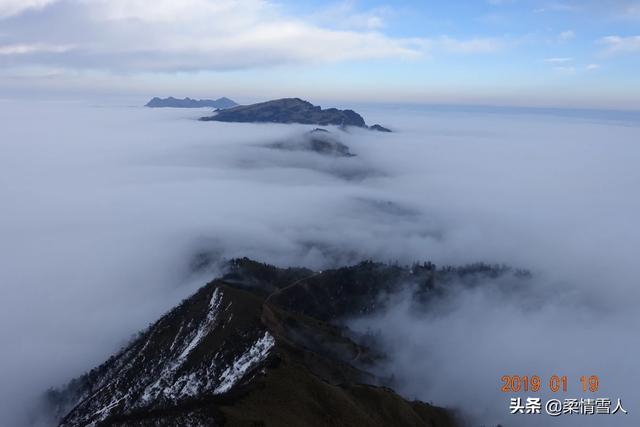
{"x":262,"y":346}
{"x":291,"y":110}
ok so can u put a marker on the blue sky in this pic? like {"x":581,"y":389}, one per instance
{"x":507,"y":52}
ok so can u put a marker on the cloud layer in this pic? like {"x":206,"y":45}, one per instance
{"x":615,"y":45}
{"x":15,"y":7}
{"x":192,"y":35}
{"x":107,"y":207}
{"x":187,"y":35}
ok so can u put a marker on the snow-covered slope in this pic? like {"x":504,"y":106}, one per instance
{"x":203,"y":347}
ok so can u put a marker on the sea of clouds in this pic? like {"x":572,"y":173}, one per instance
{"x":104,"y":208}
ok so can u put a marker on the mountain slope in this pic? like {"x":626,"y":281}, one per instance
{"x":260,"y":346}
{"x":288,"y":110}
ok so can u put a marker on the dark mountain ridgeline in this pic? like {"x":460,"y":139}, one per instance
{"x":264,"y":346}
{"x":290,"y":110}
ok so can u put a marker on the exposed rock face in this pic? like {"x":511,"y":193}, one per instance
{"x":261,"y":346}
{"x":318,"y":141}
{"x":289,"y":110}
{"x":220,"y":103}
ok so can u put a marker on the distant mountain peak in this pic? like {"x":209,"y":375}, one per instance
{"x":289,"y":110}
{"x":379,"y":128}
{"x":220,"y":103}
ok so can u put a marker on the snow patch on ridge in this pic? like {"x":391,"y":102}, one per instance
{"x":254,"y":355}
{"x":214,"y":308}
{"x":167,"y":384}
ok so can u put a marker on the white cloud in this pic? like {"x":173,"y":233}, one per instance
{"x":557,"y":60}
{"x":565,"y":65}
{"x":23,"y":49}
{"x":15,"y":7}
{"x":345,"y":15}
{"x":562,"y":65}
{"x":566,"y":36}
{"x":166,"y":36}
{"x":619,"y":45}
{"x":170,"y":11}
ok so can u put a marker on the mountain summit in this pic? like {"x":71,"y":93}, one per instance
{"x":289,"y":110}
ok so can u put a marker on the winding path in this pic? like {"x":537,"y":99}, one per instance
{"x":297,"y":282}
